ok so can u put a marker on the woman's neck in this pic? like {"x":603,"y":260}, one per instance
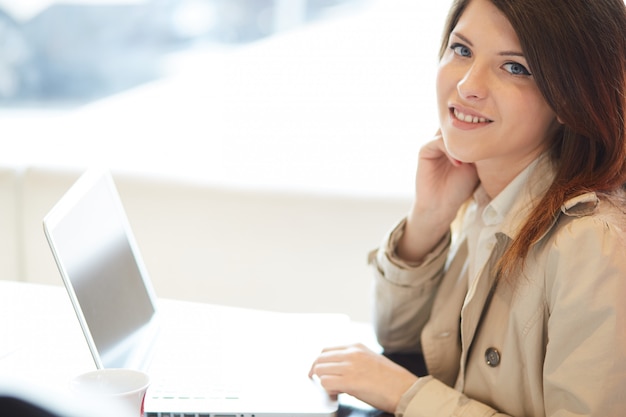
{"x":496,"y":175}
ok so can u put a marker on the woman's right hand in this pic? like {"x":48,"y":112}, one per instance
{"x":442,"y":185}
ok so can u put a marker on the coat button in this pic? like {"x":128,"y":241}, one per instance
{"x":492,"y":357}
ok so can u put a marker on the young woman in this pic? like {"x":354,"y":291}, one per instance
{"x":509,"y":273}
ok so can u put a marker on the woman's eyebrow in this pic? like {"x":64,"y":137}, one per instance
{"x":463,"y":38}
{"x":512,"y":53}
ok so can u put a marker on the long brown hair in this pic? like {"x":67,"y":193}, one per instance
{"x":576,"y":50}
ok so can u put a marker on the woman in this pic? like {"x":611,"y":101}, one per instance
{"x":521,"y":309}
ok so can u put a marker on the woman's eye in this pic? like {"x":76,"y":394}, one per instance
{"x":461,"y":50}
{"x":516,"y":69}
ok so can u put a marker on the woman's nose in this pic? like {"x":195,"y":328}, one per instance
{"x":474,"y":83}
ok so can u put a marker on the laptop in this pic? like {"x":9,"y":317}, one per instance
{"x":204,"y":360}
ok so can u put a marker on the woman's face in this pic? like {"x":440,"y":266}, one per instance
{"x":491,"y":111}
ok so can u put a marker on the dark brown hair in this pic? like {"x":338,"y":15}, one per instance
{"x":576,"y":50}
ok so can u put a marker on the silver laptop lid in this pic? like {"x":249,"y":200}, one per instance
{"x":101,"y":267}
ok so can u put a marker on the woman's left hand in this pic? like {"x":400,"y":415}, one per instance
{"x":364,"y":374}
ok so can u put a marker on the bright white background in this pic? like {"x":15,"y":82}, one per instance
{"x":340,"y":105}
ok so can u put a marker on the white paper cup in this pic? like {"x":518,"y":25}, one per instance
{"x":124,"y":389}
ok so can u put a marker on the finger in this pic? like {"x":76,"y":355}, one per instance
{"x":331,"y":384}
{"x":434,"y":149}
{"x":331,"y":368}
{"x":325,"y":366}
{"x":340,"y":347}
{"x":334,"y":354}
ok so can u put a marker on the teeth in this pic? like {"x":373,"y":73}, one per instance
{"x":467,"y":118}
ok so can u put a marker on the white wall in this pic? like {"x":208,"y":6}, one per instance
{"x":277,"y":251}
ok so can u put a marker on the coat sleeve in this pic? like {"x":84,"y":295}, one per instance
{"x":585,"y":363}
{"x":404,"y":293}
{"x":432,"y":398}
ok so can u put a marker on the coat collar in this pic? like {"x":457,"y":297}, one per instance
{"x":540,"y":179}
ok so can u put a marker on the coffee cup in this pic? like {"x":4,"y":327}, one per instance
{"x":121,"y":389}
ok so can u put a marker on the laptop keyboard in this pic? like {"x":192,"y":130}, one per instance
{"x":171,"y":414}
{"x":195,"y":390}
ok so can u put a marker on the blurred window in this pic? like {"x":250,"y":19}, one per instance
{"x":60,"y":53}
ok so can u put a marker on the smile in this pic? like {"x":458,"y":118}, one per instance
{"x":468,"y":118}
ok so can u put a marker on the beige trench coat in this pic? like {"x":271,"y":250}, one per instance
{"x":552,"y":345}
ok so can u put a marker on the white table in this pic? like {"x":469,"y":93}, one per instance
{"x":40,"y":338}
{"x":41,"y":342}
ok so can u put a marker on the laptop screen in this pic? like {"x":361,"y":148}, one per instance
{"x":97,"y":257}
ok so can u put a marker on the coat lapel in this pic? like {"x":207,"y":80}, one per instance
{"x":477,"y":303}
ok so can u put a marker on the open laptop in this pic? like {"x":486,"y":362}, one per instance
{"x":204,"y":360}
